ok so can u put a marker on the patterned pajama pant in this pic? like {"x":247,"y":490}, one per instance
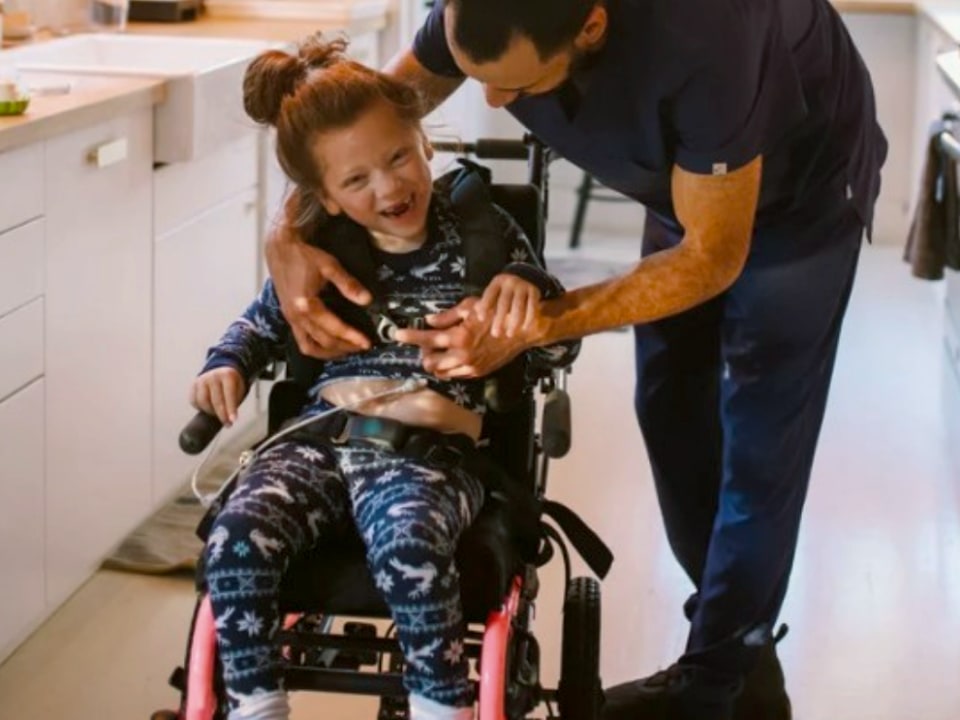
{"x":410,"y":515}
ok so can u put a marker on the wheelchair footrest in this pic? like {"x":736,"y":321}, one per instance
{"x":357,"y":658}
{"x":344,"y":681}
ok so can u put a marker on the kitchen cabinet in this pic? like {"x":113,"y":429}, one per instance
{"x":22,"y":170}
{"x":207,"y":229}
{"x":274,"y":187}
{"x":22,"y":481}
{"x":933,"y":96}
{"x":952,"y":321}
{"x":887,"y":42}
{"x":21,"y":306}
{"x":21,"y":515}
{"x":205,"y":275}
{"x":21,"y":347}
{"x":21,"y":264}
{"x":97,"y":342}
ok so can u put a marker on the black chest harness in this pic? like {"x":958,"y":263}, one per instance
{"x":486,"y":252}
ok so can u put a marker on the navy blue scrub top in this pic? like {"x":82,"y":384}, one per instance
{"x":709,"y":85}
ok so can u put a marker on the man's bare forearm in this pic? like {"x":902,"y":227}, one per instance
{"x":433,"y":89}
{"x":663,"y":284}
{"x":718,"y":216}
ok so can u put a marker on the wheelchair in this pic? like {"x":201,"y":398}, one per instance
{"x":498,"y":558}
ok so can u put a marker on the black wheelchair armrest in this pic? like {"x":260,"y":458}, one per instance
{"x":198,"y":433}
{"x":556,"y":431}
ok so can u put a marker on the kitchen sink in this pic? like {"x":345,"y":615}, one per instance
{"x":204,"y":97}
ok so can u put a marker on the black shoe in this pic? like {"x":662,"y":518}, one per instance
{"x":764,"y":695}
{"x":681,"y":692}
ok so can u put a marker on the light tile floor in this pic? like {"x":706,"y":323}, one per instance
{"x":874,"y":604}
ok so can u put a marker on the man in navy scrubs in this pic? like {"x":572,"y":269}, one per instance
{"x":748,"y":130}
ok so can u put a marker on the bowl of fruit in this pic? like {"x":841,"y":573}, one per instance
{"x":13,"y":98}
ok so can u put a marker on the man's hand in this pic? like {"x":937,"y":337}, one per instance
{"x":511,"y":302}
{"x":460,"y":344}
{"x":299,"y":271}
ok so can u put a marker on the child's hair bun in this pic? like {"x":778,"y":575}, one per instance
{"x":315,"y":52}
{"x":275,"y":74}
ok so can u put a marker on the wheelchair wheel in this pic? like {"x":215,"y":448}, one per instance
{"x":580,"y":693}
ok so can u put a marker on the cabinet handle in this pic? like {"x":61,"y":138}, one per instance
{"x":108,"y":154}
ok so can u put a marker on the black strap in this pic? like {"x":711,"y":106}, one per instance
{"x":586,"y":542}
{"x":526,"y":510}
{"x":349,"y":243}
{"x":484,"y":249}
{"x":485,"y":252}
{"x":418,"y":442}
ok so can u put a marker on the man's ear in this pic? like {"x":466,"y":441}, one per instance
{"x":427,"y":147}
{"x":593,"y":29}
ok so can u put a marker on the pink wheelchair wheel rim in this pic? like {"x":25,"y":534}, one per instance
{"x":493,"y":662}
{"x":201,"y":702}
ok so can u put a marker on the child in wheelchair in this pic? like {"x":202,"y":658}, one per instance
{"x":385,"y":451}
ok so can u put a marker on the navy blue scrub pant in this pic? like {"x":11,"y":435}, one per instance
{"x":730,"y":399}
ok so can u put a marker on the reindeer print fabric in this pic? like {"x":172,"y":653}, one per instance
{"x":410,"y":515}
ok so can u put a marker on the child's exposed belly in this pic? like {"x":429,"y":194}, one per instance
{"x":422,"y":408}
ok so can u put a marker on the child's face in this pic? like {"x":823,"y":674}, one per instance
{"x":377,"y":172}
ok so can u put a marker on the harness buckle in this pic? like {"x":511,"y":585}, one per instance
{"x":386,"y":329}
{"x":387,"y":326}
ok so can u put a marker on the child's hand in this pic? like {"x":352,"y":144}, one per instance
{"x":219,"y":392}
{"x":511,"y":302}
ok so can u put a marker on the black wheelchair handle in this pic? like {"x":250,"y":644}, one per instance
{"x":198,"y":433}
{"x":487,"y":148}
{"x":556,"y":423}
{"x":495,"y":149}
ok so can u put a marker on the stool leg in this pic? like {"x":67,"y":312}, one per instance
{"x":583,"y":197}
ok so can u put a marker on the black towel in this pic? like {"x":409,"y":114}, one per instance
{"x":934,"y":238}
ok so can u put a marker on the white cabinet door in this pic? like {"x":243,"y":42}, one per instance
{"x":887,"y":43}
{"x":933,"y":95}
{"x":205,"y":275}
{"x":98,"y":197}
{"x":22,"y":173}
{"x":21,"y":515}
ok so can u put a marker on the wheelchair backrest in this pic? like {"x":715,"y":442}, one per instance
{"x":524,"y":204}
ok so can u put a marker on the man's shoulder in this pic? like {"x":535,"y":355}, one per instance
{"x":695,"y":20}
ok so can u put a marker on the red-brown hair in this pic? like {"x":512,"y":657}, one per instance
{"x":314,"y":90}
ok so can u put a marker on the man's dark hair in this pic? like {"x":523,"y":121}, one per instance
{"x":484,"y":28}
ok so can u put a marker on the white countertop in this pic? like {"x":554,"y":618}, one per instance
{"x":900,"y":7}
{"x":261,"y":28}
{"x":91,"y":99}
